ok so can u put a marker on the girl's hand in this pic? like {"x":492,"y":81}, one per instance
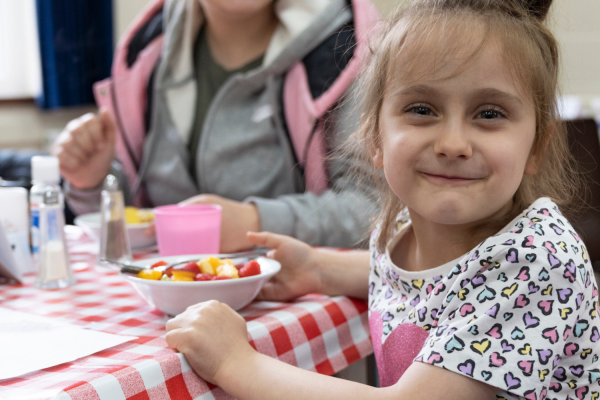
{"x":211,"y":335}
{"x":300,"y":272}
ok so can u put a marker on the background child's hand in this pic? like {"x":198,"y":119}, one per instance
{"x":300,"y":272}
{"x":210,"y":334}
{"x":86,"y":149}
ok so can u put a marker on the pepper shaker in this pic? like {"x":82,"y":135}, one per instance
{"x":114,"y":240}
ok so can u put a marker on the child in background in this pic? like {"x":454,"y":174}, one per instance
{"x":478,"y":285}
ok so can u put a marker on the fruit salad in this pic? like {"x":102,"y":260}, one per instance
{"x":206,"y":269}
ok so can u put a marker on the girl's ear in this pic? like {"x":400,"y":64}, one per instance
{"x":377,"y":157}
{"x":531,"y":167}
{"x":536,"y":154}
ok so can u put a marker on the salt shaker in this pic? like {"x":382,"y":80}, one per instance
{"x":55,"y":269}
{"x":114,"y":241}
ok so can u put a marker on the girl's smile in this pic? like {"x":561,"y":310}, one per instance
{"x":443,"y":179}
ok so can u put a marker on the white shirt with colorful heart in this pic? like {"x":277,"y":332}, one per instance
{"x":518,"y":312}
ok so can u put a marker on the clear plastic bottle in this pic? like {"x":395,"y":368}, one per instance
{"x":44,"y":173}
{"x":114,"y":240}
{"x":55,"y":268}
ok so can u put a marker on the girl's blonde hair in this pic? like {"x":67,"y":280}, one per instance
{"x":531,"y":53}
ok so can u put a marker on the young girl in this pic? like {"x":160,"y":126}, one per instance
{"x":478,"y":285}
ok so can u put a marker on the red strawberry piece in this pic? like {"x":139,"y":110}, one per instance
{"x":191,"y":267}
{"x":158,"y":264}
{"x":250,"y":269}
{"x":219,"y":278}
{"x":204,"y":277}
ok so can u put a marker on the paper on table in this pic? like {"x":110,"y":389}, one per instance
{"x":29,"y":343}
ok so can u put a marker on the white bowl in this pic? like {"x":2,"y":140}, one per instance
{"x":138,"y":239}
{"x":174,"y":297}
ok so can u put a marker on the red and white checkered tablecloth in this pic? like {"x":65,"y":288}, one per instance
{"x":315,"y":332}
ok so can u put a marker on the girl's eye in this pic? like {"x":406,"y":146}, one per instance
{"x":491,"y":114}
{"x":420,"y":110}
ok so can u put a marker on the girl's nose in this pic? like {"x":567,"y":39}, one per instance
{"x":453,"y":143}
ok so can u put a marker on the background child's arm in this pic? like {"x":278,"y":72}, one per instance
{"x":214,"y":339}
{"x":306,"y":270}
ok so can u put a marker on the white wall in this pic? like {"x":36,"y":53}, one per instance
{"x":20,"y":73}
{"x":125,"y":11}
{"x":575,"y":23}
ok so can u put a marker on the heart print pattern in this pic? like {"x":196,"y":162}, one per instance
{"x":519,"y":311}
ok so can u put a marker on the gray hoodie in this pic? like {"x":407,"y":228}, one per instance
{"x":245,"y":152}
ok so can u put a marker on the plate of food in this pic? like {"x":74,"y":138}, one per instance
{"x":139,"y":223}
{"x":172,"y":284}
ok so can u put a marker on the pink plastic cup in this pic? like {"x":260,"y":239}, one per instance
{"x":194,"y":229}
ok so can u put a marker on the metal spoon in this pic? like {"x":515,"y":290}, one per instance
{"x":135,"y":269}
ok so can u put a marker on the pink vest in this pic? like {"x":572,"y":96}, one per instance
{"x":126,"y":90}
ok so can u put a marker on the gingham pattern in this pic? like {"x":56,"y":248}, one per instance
{"x":315,"y":333}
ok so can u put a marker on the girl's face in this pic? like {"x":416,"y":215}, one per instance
{"x":454,"y":150}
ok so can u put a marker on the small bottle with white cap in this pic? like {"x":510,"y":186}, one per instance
{"x":44,"y":174}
